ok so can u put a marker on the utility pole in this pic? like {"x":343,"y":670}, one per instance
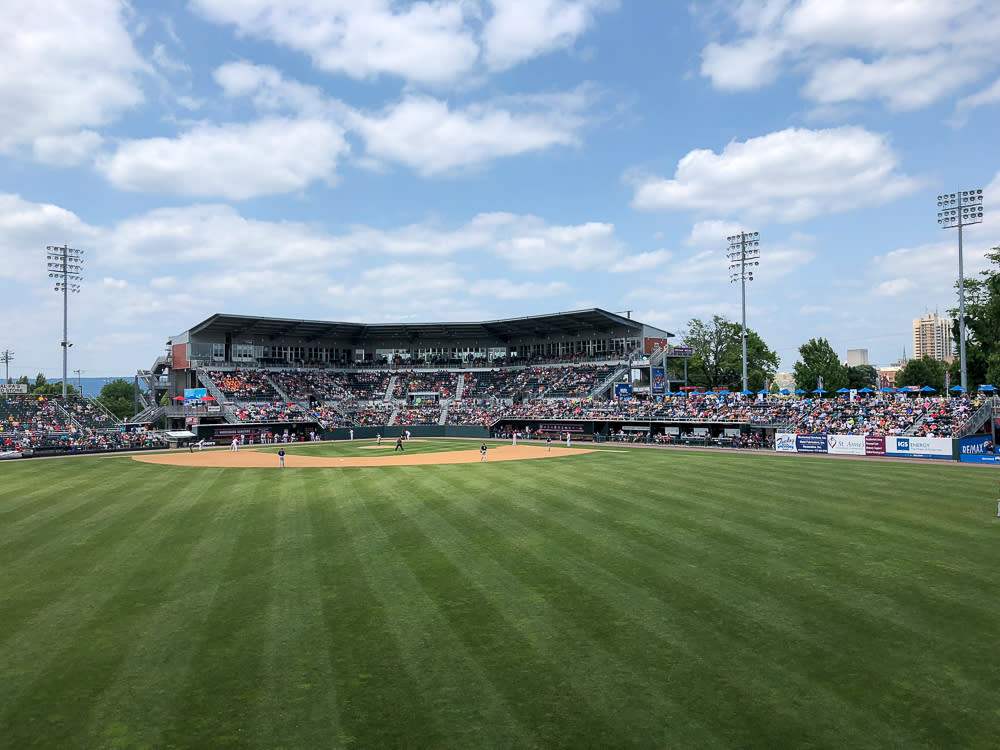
{"x":6,"y":356}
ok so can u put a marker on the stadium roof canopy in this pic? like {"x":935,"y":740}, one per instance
{"x":577,"y":322}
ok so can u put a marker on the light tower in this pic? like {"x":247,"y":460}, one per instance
{"x":956,"y":210}
{"x":744,"y":254}
{"x":65,"y":266}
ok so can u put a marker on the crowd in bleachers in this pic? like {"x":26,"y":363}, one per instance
{"x":244,"y":385}
{"x":418,"y":415}
{"x":29,"y":423}
{"x":440,"y":382}
{"x":321,"y":385}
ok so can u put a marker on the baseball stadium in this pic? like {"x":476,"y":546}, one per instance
{"x":520,"y":533}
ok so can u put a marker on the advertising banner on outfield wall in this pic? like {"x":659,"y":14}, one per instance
{"x":784,"y":442}
{"x":874,"y":445}
{"x":978,"y":450}
{"x":917,"y":447}
{"x":846,"y":445}
{"x":810,"y":444}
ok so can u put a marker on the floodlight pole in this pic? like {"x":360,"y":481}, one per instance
{"x":744,"y":251}
{"x":956,"y":210}
{"x":65,"y":265}
{"x":6,"y":356}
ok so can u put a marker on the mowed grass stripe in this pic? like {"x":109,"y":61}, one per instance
{"x":178,"y":592}
{"x":562,"y":667}
{"x":380,"y":704}
{"x":466,"y":708}
{"x":728,"y":668}
{"x":299,"y":704}
{"x":67,"y":653}
{"x":72,"y":501}
{"x":217,"y":703}
{"x":877,"y":627}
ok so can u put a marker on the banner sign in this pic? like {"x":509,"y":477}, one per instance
{"x":682,"y":351}
{"x":654,"y":346}
{"x":874,"y":445}
{"x":195,"y":394}
{"x":657,"y":380}
{"x":978,"y":450}
{"x":918,"y":447}
{"x":784,"y":442}
{"x":561,"y":427}
{"x":14,"y":388}
{"x":846,"y":445}
{"x":810,"y":444}
{"x":623,"y":390}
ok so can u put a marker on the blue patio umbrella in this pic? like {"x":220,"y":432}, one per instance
{"x":843,"y":390}
{"x":820,"y":390}
{"x":866,"y":389}
{"x":746,"y":393}
{"x":799,"y":390}
{"x":887,"y":389}
{"x":763,"y":392}
{"x":928,"y":389}
{"x":723,"y":392}
{"x":957,"y":389}
{"x":987,"y":388}
{"x":784,"y":392}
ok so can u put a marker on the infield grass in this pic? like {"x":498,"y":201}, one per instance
{"x":628,"y":598}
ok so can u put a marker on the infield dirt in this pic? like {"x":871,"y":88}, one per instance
{"x":262,"y":458}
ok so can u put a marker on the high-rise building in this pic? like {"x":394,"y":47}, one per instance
{"x":932,"y":336}
{"x":857,"y":357}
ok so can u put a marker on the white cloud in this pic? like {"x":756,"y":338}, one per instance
{"x":907,"y":53}
{"x":520,"y":30}
{"x":66,"y":150}
{"x":814,"y":309}
{"x":27,"y":228}
{"x":428,"y":136}
{"x":508,"y":290}
{"x":748,"y":64}
{"x":906,"y":82}
{"x":429,"y":42}
{"x":894,"y":287}
{"x":432,"y":43}
{"x":235,"y":161}
{"x":272,"y":92}
{"x":965,"y":106}
{"x":64,"y":65}
{"x":789,"y":175}
{"x":200,"y":236}
{"x":641,"y":261}
{"x":711,"y":233}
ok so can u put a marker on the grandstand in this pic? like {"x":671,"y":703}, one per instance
{"x":588,"y":372}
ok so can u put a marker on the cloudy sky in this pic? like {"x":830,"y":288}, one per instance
{"x":382,"y":160}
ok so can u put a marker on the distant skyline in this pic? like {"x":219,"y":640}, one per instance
{"x":379,"y":161}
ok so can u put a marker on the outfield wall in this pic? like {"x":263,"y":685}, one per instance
{"x":897,"y":446}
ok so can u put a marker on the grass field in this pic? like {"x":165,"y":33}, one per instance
{"x":636,"y":598}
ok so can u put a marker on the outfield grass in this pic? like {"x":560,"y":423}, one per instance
{"x":636,"y":598}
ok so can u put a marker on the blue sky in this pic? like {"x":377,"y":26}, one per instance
{"x":475,"y":159}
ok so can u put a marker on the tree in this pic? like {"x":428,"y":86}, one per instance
{"x":982,"y":322}
{"x":718,"y":355}
{"x":921,"y":372}
{"x":819,"y":360}
{"x":862,"y":376}
{"x":118,"y":397}
{"x":51,"y":388}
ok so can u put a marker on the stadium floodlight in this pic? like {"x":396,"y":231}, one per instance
{"x":6,"y":356}
{"x":957,"y":210}
{"x":744,"y":256}
{"x":65,"y":266}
